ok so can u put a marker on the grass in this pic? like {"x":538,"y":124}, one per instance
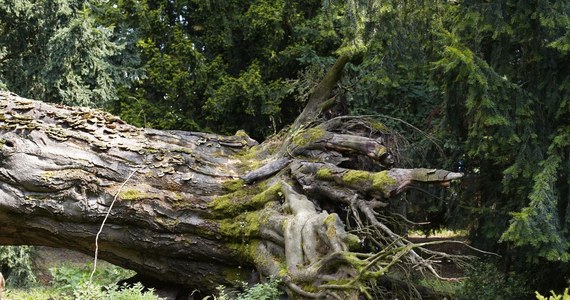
{"x":36,"y":293}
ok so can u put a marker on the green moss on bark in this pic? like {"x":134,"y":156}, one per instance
{"x":248,"y":251}
{"x":244,"y":225}
{"x":324,"y":174}
{"x":245,"y":199}
{"x":132,"y":195}
{"x":357,"y":178}
{"x":308,"y":136}
{"x":380,"y":181}
{"x":233,"y":185}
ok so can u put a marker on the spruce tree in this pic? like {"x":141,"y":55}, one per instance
{"x":54,"y":51}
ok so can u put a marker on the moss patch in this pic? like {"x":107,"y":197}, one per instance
{"x":247,"y":198}
{"x":250,"y":159}
{"x":233,"y":185}
{"x":354,"y":261}
{"x":131,"y":195}
{"x":241,"y":133}
{"x":352,"y":241}
{"x":380,"y":151}
{"x":381,"y":180}
{"x":246,"y":250}
{"x":244,"y":225}
{"x":167,"y":222}
{"x":357,"y":178}
{"x":331,"y":228}
{"x":308,"y":136}
{"x":324,"y":174}
{"x":270,"y":194}
{"x":330,"y":220}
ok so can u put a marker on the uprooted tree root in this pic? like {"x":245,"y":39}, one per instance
{"x":323,"y":258}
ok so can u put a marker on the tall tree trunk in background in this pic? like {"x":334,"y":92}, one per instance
{"x":309,"y":206}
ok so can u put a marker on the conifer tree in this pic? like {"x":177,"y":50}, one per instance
{"x":54,"y":51}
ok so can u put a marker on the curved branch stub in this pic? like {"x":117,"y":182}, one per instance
{"x":266,"y":170}
{"x":318,"y":138}
{"x":383,"y":184}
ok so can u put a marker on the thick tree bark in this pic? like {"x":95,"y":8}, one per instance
{"x":202,"y":209}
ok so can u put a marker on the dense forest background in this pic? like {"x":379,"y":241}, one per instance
{"x":480,"y":86}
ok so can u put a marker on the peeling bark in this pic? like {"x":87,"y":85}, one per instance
{"x":203,"y":209}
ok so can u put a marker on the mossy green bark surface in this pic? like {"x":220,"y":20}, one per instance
{"x":233,"y":185}
{"x":324,"y":174}
{"x":379,"y":181}
{"x":357,"y":178}
{"x":132,"y":195}
{"x":308,"y":136}
{"x":244,"y":225}
{"x":244,"y":199}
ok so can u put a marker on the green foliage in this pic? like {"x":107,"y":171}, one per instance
{"x":210,"y":65}
{"x":489,"y":80}
{"x":88,"y":291}
{"x":17,"y":259}
{"x":54,"y":50}
{"x":554,"y":296}
{"x":486,"y":282}
{"x":66,"y":279}
{"x":37,"y":293}
{"x":72,"y":282}
{"x":261,"y":291}
{"x":76,"y":65}
{"x":245,"y":96}
{"x":505,"y":93}
{"x":538,"y":224}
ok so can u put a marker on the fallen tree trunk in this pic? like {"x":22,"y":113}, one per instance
{"x":202,"y":209}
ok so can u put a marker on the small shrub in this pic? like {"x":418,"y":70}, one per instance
{"x":261,"y":291}
{"x":67,"y":278}
{"x":485,"y":281}
{"x":554,"y":296}
{"x":85,"y":291}
{"x":73,"y":283}
{"x":17,"y":259}
{"x":90,"y":291}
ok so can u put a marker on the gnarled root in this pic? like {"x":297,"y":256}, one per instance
{"x":321,"y":258}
